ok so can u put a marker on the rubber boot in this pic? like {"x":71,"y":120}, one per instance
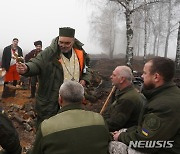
{"x":5,"y":92}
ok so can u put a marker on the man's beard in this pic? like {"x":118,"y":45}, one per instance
{"x":64,"y":50}
{"x":148,"y":86}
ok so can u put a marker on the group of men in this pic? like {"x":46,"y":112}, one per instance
{"x":158,"y":125}
{"x":10,"y":57}
{"x":64,"y":127}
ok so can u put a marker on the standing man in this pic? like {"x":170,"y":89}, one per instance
{"x":158,"y":130}
{"x":126,"y":104}
{"x":32,"y":54}
{"x":73,"y":130}
{"x":9,"y":64}
{"x":63,"y":60}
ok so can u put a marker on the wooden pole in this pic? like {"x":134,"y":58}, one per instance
{"x":107,"y":100}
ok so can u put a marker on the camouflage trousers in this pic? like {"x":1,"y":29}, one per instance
{"x":116,"y":147}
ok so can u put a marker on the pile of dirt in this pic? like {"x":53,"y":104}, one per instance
{"x":20,"y":110}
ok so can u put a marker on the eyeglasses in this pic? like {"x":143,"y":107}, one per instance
{"x":65,"y":43}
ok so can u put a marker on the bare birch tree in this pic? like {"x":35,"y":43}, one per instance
{"x":131,"y":6}
{"x":171,"y":23}
{"x":177,"y":61}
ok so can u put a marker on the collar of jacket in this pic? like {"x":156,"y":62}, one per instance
{"x":71,"y":107}
{"x":78,"y":44}
{"x":151,"y":93}
{"x":9,"y":47}
{"x":125,"y":90}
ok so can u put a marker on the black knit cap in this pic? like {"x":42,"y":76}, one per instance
{"x":66,"y":32}
{"x":38,"y":43}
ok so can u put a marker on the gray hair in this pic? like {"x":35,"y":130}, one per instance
{"x":125,"y":71}
{"x":72,"y":92}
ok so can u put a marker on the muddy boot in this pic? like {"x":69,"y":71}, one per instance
{"x":5,"y":92}
{"x":8,"y":91}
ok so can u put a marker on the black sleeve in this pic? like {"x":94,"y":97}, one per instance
{"x":9,"y":139}
{"x":20,"y":52}
{"x":4,"y":58}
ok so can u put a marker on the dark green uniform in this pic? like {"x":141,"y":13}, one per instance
{"x":160,"y":120}
{"x":124,"y":110}
{"x":9,"y":139}
{"x":72,"y":131}
{"x":50,"y":73}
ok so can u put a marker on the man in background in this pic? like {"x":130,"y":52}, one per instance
{"x":9,"y":57}
{"x":32,"y":54}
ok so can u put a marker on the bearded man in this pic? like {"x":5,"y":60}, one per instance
{"x":63,"y":60}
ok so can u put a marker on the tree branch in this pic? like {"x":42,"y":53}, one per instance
{"x":143,"y":5}
{"x":174,"y":28}
{"x":120,"y":2}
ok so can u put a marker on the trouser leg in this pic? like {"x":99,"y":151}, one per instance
{"x":33,"y":86}
{"x":33,"y":91}
{"x":6,"y":92}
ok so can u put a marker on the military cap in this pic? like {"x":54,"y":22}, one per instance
{"x":67,"y":32}
{"x":38,"y":43}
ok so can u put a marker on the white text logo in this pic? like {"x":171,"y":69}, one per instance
{"x":151,"y":144}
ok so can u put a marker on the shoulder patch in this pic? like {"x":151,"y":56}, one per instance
{"x":152,"y":122}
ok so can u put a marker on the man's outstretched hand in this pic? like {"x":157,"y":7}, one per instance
{"x":21,"y":68}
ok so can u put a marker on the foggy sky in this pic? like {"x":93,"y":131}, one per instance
{"x":31,"y":20}
{"x":40,"y":20}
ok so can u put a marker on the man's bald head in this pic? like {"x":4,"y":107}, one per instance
{"x":124,"y":71}
{"x":121,"y":77}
